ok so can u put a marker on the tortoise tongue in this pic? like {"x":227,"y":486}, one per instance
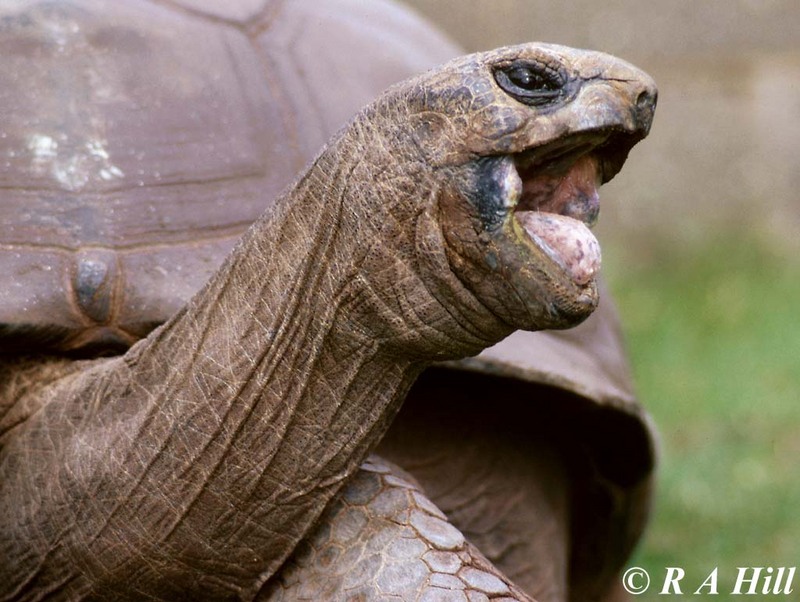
{"x":567,"y":241}
{"x":555,"y":209}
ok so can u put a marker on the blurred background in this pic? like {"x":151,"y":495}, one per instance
{"x":701,"y":248}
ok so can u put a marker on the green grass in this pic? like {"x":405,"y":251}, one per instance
{"x":714,"y":337}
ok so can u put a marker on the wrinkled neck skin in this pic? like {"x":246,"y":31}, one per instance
{"x":197,"y":461}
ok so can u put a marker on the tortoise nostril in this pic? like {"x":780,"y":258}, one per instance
{"x":645,"y":106}
{"x":646,"y":99}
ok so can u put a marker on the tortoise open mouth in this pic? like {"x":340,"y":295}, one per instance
{"x":556,"y":191}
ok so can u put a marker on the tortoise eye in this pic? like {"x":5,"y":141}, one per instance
{"x":530,"y":83}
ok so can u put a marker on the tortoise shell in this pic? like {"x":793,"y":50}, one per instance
{"x":147,"y":136}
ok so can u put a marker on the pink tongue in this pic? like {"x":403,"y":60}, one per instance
{"x":567,"y":241}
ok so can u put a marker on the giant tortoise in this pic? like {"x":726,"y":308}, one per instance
{"x":181,"y":425}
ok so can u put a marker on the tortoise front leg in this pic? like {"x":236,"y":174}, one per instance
{"x":382,"y":538}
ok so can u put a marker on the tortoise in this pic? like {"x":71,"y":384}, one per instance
{"x":146,"y":137}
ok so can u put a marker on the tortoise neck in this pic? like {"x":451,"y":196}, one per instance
{"x":295,"y":357}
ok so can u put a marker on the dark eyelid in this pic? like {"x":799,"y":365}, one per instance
{"x":546,"y":85}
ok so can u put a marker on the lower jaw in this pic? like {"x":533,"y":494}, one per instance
{"x":567,"y":311}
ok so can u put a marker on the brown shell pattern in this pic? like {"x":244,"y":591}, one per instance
{"x":147,"y":136}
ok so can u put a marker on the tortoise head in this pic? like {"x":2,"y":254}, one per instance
{"x":519,"y":140}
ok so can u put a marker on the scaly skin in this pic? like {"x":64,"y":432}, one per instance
{"x":192,"y":466}
{"x":383,"y":538}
